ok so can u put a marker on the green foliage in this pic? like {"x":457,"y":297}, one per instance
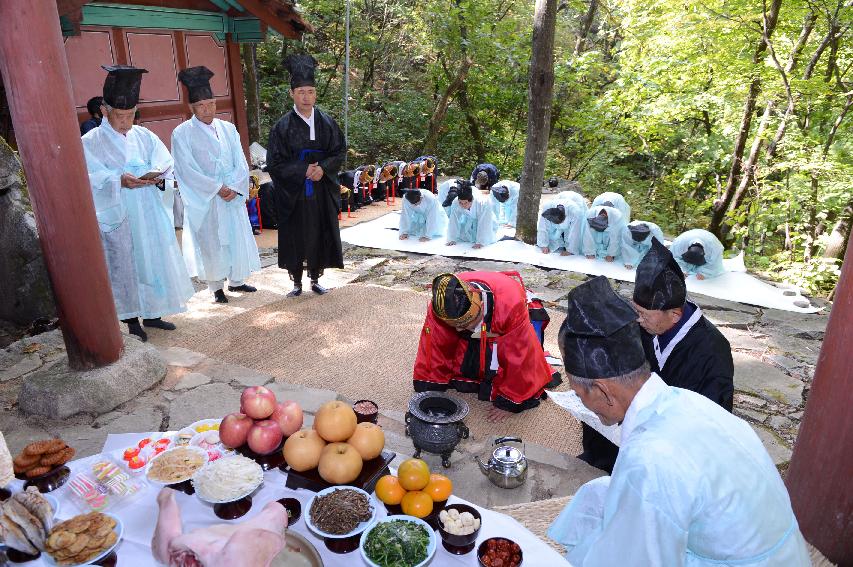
{"x":649,"y":107}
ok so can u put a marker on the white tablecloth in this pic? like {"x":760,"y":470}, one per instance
{"x":140,"y":516}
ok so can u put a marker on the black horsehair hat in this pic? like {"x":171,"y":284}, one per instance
{"x":639,"y":231}
{"x":695,"y":255}
{"x":466,"y":190}
{"x":197,"y":81}
{"x":501,"y":193}
{"x":301,"y":68}
{"x":555,"y":214}
{"x":121,"y":87}
{"x":600,"y":337}
{"x":413,"y":195}
{"x":659,"y":282}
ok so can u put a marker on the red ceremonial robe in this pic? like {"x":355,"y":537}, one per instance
{"x":522,"y":372}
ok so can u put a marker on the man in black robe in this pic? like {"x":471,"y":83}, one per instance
{"x":681,"y":345}
{"x":306,"y":150}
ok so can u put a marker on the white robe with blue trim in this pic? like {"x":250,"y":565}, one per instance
{"x":147,"y":272}
{"x":218,"y":241}
{"x":693,"y":486}
{"x":476,"y":225}
{"x":427,"y":218}
{"x":506,"y":212}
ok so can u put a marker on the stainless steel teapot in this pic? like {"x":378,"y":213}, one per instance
{"x":507,"y":467}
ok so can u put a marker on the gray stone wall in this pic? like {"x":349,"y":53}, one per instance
{"x":25,"y":292}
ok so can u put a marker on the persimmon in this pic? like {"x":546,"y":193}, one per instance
{"x":413,"y":474}
{"x":439,"y":487}
{"x":416,"y":503}
{"x":389,"y":491}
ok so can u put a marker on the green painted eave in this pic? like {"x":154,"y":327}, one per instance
{"x":243,"y":29}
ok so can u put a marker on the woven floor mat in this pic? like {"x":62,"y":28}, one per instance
{"x":359,"y":340}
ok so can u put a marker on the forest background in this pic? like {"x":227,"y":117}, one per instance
{"x":733,"y":115}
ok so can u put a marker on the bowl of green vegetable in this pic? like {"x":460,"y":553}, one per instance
{"x":399,"y":541}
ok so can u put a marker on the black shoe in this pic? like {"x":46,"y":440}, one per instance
{"x":296,"y":291}
{"x":159,"y":323}
{"x":244,"y":287}
{"x":219,"y":296}
{"x":318,"y":289}
{"x":136,"y":329}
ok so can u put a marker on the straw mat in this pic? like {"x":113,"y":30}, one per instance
{"x":359,"y":340}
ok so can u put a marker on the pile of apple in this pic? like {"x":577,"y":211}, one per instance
{"x":336,"y":446}
{"x":262,"y":422}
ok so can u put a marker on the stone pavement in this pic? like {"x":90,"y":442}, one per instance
{"x":775,"y":355}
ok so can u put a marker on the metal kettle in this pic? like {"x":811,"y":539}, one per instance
{"x":507,"y":467}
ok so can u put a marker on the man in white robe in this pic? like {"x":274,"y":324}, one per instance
{"x":602,"y":238}
{"x":422,"y":216}
{"x":637,"y":241}
{"x":699,"y":253}
{"x":692,"y":485}
{"x":147,"y":272}
{"x":504,"y":198}
{"x":471,"y":219}
{"x":214,"y":179}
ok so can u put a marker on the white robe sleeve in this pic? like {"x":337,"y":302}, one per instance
{"x":630,"y":254}
{"x":453,"y":224}
{"x":436,"y":222}
{"x":161,"y":159}
{"x":512,"y":203}
{"x":487,"y":224}
{"x":573,"y":237}
{"x":543,"y":232}
{"x":106,"y":187}
{"x":238,"y":178}
{"x":405,"y":217}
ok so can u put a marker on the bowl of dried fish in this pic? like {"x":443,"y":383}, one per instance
{"x":339,"y":514}
{"x":176,"y":465}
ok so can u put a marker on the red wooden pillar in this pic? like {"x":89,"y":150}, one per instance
{"x":38,"y":88}
{"x":820,"y":477}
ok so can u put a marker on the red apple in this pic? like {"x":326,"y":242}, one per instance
{"x":257,"y":402}
{"x":234,"y":429}
{"x":289,"y":417}
{"x":265,"y":437}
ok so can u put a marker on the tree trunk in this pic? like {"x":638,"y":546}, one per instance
{"x":722,"y":205}
{"x":750,"y":165}
{"x":540,"y":94}
{"x":436,"y":121}
{"x":473,"y":125}
{"x":837,"y":245}
{"x":586,"y":24}
{"x":253,"y":101}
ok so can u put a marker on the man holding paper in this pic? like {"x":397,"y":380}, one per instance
{"x":692,"y":486}
{"x":214,"y":179}
{"x":125,"y":162}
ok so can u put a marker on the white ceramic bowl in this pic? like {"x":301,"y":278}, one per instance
{"x":431,"y":546}
{"x":306,"y":513}
{"x":119,"y":529}
{"x":198,"y":450}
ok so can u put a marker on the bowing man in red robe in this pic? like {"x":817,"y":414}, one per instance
{"x":477,"y":337}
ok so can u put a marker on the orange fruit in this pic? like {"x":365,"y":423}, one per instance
{"x":439,"y":487}
{"x":389,"y":491}
{"x":413,"y":474}
{"x":417,"y":504}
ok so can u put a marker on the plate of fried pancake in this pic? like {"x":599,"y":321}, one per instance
{"x":83,"y":539}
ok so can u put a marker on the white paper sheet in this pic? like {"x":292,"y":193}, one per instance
{"x":140,"y":519}
{"x":734,"y":285}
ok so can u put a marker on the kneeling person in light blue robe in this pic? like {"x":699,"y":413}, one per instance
{"x":471,"y":219}
{"x":637,"y":241}
{"x":692,"y":486}
{"x":214,"y":179}
{"x":504,"y":198}
{"x":422,"y":216}
{"x":147,"y":272}
{"x":603,"y":237}
{"x":699,"y":253}
{"x":560,"y":227}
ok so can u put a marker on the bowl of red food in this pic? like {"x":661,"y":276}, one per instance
{"x":366,"y":410}
{"x":499,"y":552}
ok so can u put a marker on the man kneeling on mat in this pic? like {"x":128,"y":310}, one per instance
{"x":470,"y":313}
